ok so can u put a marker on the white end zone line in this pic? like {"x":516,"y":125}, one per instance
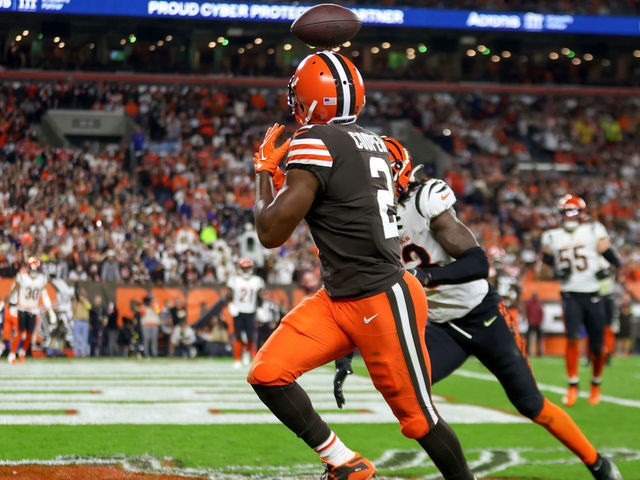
{"x":625,"y":402}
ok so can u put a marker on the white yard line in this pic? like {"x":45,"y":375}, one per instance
{"x":625,"y":402}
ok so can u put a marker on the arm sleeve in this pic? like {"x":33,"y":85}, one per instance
{"x":473,"y":264}
{"x":611,"y":257}
{"x":309,"y":152}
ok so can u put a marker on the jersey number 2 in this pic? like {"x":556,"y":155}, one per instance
{"x":386,"y":197}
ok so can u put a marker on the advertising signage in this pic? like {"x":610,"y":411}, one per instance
{"x":394,"y":17}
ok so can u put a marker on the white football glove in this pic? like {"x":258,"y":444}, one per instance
{"x":53,"y":319}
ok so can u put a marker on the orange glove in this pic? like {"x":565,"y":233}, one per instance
{"x":268,"y":157}
{"x":278,"y":180}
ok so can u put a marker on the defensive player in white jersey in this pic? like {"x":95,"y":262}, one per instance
{"x":245,"y":289}
{"x":572,"y":253}
{"x":466,"y":315}
{"x":30,"y":286}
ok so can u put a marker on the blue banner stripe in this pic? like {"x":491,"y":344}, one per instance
{"x":405,"y":17}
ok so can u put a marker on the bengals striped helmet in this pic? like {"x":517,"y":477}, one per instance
{"x":401,"y":164}
{"x":573,"y":210}
{"x":326,"y":88}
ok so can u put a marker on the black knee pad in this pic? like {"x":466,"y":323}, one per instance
{"x":530,"y":406}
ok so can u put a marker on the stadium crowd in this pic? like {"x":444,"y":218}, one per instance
{"x":173,"y":204}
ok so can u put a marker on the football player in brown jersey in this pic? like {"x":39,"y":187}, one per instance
{"x":339,"y":180}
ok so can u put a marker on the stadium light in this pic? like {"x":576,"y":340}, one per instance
{"x":122,"y":41}
{"x":385,"y":45}
{"x":18,"y":38}
{"x":554,"y":55}
{"x":225,"y":42}
{"x":375,"y":50}
{"x":335,"y":49}
{"x":168,"y":38}
{"x":565,"y":51}
{"x":40,"y":36}
{"x":152,"y":48}
{"x":56,"y":39}
{"x":576,"y":61}
{"x":132,"y":38}
{"x":355,"y":53}
{"x":346,"y":44}
{"x":249,"y":46}
{"x":287,"y":46}
{"x":220,"y":39}
{"x":495,"y":58}
{"x":422,"y":48}
{"x":481,"y":48}
{"x":241,"y":50}
{"x":257,"y":41}
{"x":212,"y":44}
{"x":61,"y":45}
{"x":636,"y":53}
{"x":571,"y":54}
{"x":471,"y":53}
{"x":25,"y":33}
{"x":92,"y":46}
{"x":587,"y":57}
{"x":506,"y":54}
{"x":411,"y":56}
{"x":411,"y":51}
{"x":446,"y":132}
{"x":159,"y":43}
{"x":271,"y":51}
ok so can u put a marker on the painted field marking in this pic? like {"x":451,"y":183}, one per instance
{"x":625,"y":402}
{"x":482,"y":461}
{"x":101,"y":398}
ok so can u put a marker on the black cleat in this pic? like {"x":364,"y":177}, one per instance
{"x":605,"y":469}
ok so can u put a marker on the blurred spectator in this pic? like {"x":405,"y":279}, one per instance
{"x":97,"y":322}
{"x":268,"y":317}
{"x":110,"y":268}
{"x":112,"y":330}
{"x":534,"y":311}
{"x":150,"y":323}
{"x":213,"y":339}
{"x":627,"y":323}
{"x":183,"y":340}
{"x":81,"y":306}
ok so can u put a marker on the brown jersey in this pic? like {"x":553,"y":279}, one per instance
{"x":353,"y":217}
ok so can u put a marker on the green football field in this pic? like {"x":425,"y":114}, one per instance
{"x":200,"y":418}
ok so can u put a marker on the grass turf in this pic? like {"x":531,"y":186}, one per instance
{"x":608,"y":426}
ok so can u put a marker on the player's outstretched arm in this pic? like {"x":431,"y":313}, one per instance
{"x":459,"y":242}
{"x":276,"y":218}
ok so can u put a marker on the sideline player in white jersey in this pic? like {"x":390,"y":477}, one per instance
{"x":245,"y":290}
{"x":572,"y":253}
{"x":30,"y":286}
{"x":466,"y":315}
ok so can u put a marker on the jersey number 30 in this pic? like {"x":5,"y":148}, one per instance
{"x":386,"y":198}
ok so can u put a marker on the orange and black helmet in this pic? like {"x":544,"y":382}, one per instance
{"x":401,"y":164}
{"x":326,"y":88}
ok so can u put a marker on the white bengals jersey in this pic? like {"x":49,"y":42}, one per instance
{"x":31,"y":288}
{"x":420,"y":249}
{"x":577,"y":250}
{"x":245,"y":293}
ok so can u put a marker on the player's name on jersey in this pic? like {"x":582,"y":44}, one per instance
{"x":367,"y":141}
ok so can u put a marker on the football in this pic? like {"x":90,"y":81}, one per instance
{"x":326,"y":25}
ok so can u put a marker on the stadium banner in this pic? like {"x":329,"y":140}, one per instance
{"x":85,"y":122}
{"x":392,"y":17}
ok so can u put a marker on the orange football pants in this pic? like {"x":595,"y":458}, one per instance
{"x":10,"y":322}
{"x":387,"y":328}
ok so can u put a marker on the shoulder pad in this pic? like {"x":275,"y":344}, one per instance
{"x":434,"y":197}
